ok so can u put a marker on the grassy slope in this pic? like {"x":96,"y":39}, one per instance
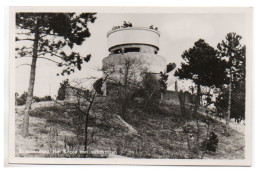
{"x":160,"y":133}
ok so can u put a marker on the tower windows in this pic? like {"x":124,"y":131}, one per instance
{"x":121,"y":49}
{"x":118,"y":51}
{"x":133,"y":49}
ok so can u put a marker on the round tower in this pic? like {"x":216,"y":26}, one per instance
{"x":136,"y":43}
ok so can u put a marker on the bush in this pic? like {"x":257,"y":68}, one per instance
{"x":37,"y":99}
{"x":211,"y":143}
{"x":46,"y":98}
{"x":42,"y":99}
{"x":62,"y":90}
{"x":22,"y":99}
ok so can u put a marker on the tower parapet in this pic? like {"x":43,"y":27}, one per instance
{"x":142,"y":38}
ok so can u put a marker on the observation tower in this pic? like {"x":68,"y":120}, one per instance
{"x":134,"y":43}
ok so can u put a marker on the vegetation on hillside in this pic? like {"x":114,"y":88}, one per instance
{"x":162,"y":132}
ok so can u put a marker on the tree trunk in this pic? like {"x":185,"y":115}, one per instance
{"x":176,"y":86}
{"x":86,"y":136}
{"x":229,"y":104}
{"x":182,"y":103}
{"x":87,"y":119}
{"x":181,"y":100}
{"x":197,"y":103}
{"x":86,"y":123}
{"x":161,"y":97}
{"x":149,"y":99}
{"x":29,"y":98}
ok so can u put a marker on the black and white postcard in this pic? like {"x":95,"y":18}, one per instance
{"x":137,"y":86}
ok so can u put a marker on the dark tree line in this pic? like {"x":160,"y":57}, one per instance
{"x":221,"y":69}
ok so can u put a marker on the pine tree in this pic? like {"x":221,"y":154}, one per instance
{"x":49,"y":33}
{"x":234,"y":53}
{"x":204,"y":68}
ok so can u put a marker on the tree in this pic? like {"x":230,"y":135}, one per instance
{"x":163,"y":83}
{"x":234,"y":53}
{"x":170,"y":67}
{"x":125,"y":81}
{"x":81,"y":100}
{"x":150,"y":89}
{"x":202,"y":67}
{"x":62,"y":90}
{"x":49,"y":33}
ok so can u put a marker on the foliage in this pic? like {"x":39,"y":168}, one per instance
{"x":202,"y":65}
{"x":204,"y":68}
{"x":170,"y":67}
{"x":159,"y":132}
{"x":211,"y":142}
{"x":46,"y":98}
{"x":237,"y":104}
{"x":234,"y":54}
{"x":22,"y":99}
{"x":98,"y":86}
{"x":62,"y":90}
{"x":182,"y":96}
{"x":50,"y":33}
{"x":42,"y":99}
{"x":221,"y":102}
{"x":55,"y":32}
{"x":150,"y":91}
{"x":124,"y":83}
{"x":163,"y":79}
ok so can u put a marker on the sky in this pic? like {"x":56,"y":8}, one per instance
{"x":178,"y":33}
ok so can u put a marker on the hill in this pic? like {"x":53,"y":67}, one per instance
{"x":158,"y":132}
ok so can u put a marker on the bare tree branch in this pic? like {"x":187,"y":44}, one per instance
{"x":22,"y":65}
{"x":24,"y":39}
{"x":49,"y":59}
{"x":49,"y":52}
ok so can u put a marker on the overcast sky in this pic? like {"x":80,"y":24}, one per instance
{"x":178,"y":33}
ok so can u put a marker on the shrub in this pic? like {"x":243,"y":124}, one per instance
{"x":46,"y":98}
{"x":211,"y":142}
{"x":22,"y":99}
{"x":62,"y":90}
{"x":37,"y":99}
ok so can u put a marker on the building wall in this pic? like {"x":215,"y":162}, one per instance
{"x":153,"y":62}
